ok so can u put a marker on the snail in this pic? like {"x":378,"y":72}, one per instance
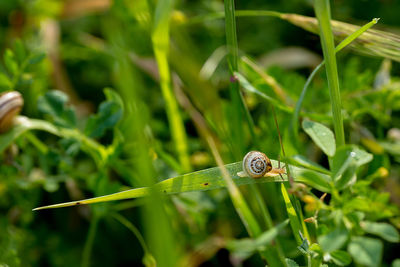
{"x":10,"y":105}
{"x":256,"y":164}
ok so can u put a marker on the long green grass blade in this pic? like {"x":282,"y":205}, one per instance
{"x":322,"y":10}
{"x":295,"y":224}
{"x":160,"y":39}
{"x":203,"y":180}
{"x":236,"y":108}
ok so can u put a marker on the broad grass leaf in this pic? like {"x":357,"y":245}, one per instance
{"x":333,"y":240}
{"x":321,"y":135}
{"x":54,"y":104}
{"x":203,"y":180}
{"x":340,"y":257}
{"x":293,"y":217}
{"x":366,"y":251}
{"x":384,"y":230}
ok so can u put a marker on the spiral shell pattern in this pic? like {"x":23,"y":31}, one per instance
{"x":256,"y":164}
{"x":10,"y":105}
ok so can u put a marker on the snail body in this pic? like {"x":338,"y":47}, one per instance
{"x":256,"y":165}
{"x":10,"y":106}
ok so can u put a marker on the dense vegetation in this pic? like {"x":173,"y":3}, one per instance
{"x":165,"y":98}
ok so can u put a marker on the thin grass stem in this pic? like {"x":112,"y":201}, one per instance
{"x":160,"y":39}
{"x":322,"y":10}
{"x":133,"y":229}
{"x":87,"y":250}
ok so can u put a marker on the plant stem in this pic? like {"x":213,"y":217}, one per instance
{"x":160,"y":39}
{"x":87,"y":250}
{"x":236,"y":108}
{"x":343,"y":44}
{"x":133,"y":229}
{"x":322,"y":11}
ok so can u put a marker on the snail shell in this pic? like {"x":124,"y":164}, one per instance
{"x":10,"y":105}
{"x":255,"y":164}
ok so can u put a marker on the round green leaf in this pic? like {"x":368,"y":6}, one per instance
{"x":384,"y":230}
{"x":321,"y":135}
{"x":366,"y":251}
{"x":340,"y":257}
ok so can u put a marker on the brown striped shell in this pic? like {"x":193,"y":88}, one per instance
{"x":256,"y":164}
{"x":10,"y":105}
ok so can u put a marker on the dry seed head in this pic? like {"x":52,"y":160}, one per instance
{"x":372,"y":42}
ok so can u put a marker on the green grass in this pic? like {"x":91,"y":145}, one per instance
{"x":159,"y":156}
{"x":323,"y":13}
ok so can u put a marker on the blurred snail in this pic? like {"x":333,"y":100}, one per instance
{"x":10,"y":105}
{"x":256,"y":164}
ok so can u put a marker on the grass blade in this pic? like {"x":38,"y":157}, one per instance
{"x":160,"y":39}
{"x":343,"y":44}
{"x":236,"y":107}
{"x":203,"y":180}
{"x":322,"y":10}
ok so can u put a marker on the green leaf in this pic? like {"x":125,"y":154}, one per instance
{"x":291,"y":263}
{"x":23,"y":124}
{"x":306,"y":163}
{"x":249,"y":87}
{"x":384,"y":230}
{"x":36,"y":58}
{"x":340,"y":257}
{"x":203,"y":180}
{"x":396,"y":263}
{"x":109,"y":114}
{"x":20,"y":52}
{"x":10,"y":62}
{"x":345,"y":163}
{"x":245,"y":247}
{"x":5,"y":83}
{"x":305,"y":245}
{"x":333,"y":240}
{"x":321,"y":135}
{"x":314,"y":179}
{"x":54,"y":104}
{"x":366,"y":251}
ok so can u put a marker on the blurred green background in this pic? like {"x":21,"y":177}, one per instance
{"x":81,"y":47}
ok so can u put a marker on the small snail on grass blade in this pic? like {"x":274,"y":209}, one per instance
{"x":256,"y":165}
{"x":10,"y":105}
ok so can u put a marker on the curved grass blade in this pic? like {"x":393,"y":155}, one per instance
{"x":275,"y":102}
{"x":203,"y":180}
